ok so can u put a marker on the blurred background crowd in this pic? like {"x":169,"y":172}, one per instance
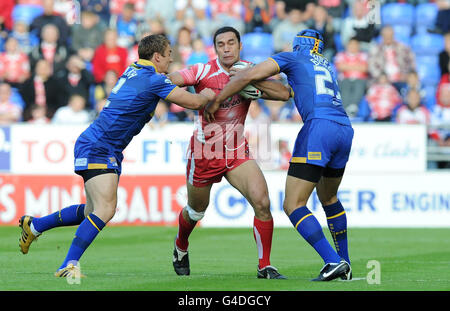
{"x":59,"y":59}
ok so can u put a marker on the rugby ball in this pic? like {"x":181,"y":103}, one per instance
{"x":249,"y":92}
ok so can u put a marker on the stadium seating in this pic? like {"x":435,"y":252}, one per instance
{"x":26,"y":12}
{"x":428,"y":74}
{"x":17,"y":98}
{"x":410,"y":23}
{"x":395,"y":111}
{"x":255,"y":59}
{"x":338,"y":42}
{"x":397,"y":14}
{"x":403,"y":33}
{"x":427,"y":44}
{"x":425,"y":17}
{"x":400,"y":36}
{"x":364,"y":111}
{"x":430,"y":96}
{"x":257,"y":46}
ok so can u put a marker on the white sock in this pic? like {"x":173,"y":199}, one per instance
{"x":34,"y":231}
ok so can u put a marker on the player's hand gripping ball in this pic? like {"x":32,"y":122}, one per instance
{"x":249,"y":92}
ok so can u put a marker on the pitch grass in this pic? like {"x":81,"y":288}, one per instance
{"x":140,"y":259}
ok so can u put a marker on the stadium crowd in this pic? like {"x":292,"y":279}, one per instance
{"x":59,"y":59}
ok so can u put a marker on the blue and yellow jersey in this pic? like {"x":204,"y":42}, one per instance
{"x":314,"y":83}
{"x":129,"y":107}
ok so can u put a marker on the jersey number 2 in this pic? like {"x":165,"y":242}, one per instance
{"x":321,"y":89}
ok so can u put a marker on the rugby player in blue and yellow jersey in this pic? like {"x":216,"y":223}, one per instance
{"x":98,"y":150}
{"x":322,"y":147}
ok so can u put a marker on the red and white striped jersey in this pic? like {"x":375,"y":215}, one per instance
{"x":14,"y":68}
{"x":231,"y":114}
{"x":382,"y":99}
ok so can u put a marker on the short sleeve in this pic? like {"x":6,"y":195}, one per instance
{"x":282,"y":60}
{"x":162,"y":86}
{"x":192,"y":74}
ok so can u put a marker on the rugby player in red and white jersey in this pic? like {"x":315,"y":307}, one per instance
{"x":219,"y":149}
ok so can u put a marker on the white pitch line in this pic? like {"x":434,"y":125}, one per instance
{"x":353,"y":279}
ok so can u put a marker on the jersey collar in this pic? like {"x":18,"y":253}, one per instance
{"x":221,"y":70}
{"x":145,"y":62}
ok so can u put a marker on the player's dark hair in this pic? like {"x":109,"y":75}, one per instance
{"x":152,"y":44}
{"x":129,"y":6}
{"x":227,"y":29}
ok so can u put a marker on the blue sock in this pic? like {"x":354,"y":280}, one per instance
{"x":85,"y":234}
{"x":337,"y":223}
{"x":69,"y":216}
{"x":309,"y":228}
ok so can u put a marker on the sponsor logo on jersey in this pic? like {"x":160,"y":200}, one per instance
{"x":314,"y":155}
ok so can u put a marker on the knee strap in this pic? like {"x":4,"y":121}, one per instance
{"x":195,"y":216}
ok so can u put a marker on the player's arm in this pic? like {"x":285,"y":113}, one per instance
{"x":187,"y":76}
{"x":176,"y":78}
{"x":273,"y":90}
{"x":241,"y":79}
{"x":189,"y":100}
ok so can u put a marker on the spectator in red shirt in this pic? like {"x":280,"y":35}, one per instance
{"x":443,"y":83}
{"x":412,"y":112}
{"x":6,"y":22}
{"x":382,"y":98}
{"x":109,"y":56}
{"x":352,"y":65}
{"x":14,"y":64}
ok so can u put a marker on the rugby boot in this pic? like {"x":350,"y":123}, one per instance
{"x":331,"y":271}
{"x":27,"y":236}
{"x":270,"y":272}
